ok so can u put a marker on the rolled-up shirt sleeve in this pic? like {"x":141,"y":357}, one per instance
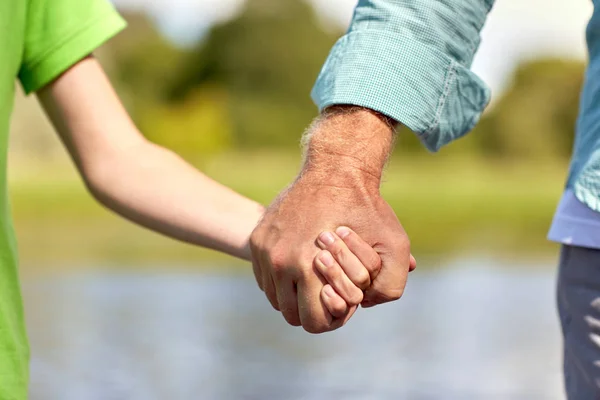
{"x":410,"y":60}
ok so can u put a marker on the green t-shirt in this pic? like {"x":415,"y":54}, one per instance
{"x":39,"y":39}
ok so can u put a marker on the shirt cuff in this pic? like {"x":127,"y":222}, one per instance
{"x":415,"y":84}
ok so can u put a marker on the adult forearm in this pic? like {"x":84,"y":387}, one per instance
{"x":349,"y":144}
{"x":157,"y":189}
{"x":346,"y":151}
{"x":410,"y":60}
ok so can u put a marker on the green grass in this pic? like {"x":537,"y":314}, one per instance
{"x":448,"y":205}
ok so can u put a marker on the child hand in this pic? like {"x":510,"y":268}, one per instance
{"x":348,"y":264}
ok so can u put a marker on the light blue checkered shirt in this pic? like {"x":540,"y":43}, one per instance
{"x":411,"y":59}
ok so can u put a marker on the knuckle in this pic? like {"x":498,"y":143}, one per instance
{"x":315,"y":328}
{"x":337,"y":306}
{"x":333,"y":274}
{"x":277,"y":258}
{"x":338,"y":310}
{"x":387,"y":297}
{"x":278,"y":263}
{"x":291,"y":317}
{"x":351,"y":236}
{"x":374,"y":263}
{"x":279,"y":271}
{"x":356,"y":297}
{"x":362,"y":279}
{"x":337,"y":250}
{"x":305,"y":273}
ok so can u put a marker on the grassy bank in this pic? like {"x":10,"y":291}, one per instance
{"x":448,"y":205}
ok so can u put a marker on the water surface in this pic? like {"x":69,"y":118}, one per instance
{"x":476,"y":331}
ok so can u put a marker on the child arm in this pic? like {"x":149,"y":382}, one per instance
{"x":141,"y":181}
{"x":137,"y":179}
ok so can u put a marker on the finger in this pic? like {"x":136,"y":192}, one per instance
{"x":269,"y":288}
{"x":367,"y":256}
{"x":314,"y":316}
{"x":413,"y":263}
{"x":288,"y":302}
{"x":334,"y":303}
{"x":391,"y":281}
{"x":342,"y":321}
{"x":339,"y":281}
{"x":256,"y":268}
{"x":331,"y":300}
{"x":351,"y":265}
{"x":338,"y":323}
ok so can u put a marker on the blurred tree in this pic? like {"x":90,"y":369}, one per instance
{"x":536,"y":116}
{"x":247,"y":84}
{"x":267,"y":59}
{"x":142,"y":63}
{"x":197,"y":126}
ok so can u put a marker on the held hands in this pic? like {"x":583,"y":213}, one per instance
{"x":298,"y":277}
{"x":338,"y":187}
{"x":347,"y":263}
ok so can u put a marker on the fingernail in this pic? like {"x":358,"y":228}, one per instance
{"x":327,"y":238}
{"x":343,"y":232}
{"x":326,"y":258}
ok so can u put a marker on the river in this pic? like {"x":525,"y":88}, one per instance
{"x":472,"y":330}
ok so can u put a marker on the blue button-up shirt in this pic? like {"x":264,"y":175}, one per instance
{"x":411,"y":59}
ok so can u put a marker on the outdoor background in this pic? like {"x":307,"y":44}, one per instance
{"x":226,"y":84}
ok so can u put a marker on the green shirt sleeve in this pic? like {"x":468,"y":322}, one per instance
{"x":410,"y":60}
{"x":59,"y":33}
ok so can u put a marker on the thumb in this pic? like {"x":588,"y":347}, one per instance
{"x":413,"y":263}
{"x":389,"y":285}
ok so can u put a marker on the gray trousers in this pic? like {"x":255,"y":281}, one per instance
{"x":579,"y":310}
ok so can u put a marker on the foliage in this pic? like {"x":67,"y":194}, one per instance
{"x":267,"y":59}
{"x":466,"y":207}
{"x":536,"y":116}
{"x":200,"y":124}
{"x":247,"y":83}
{"x":141,"y":63}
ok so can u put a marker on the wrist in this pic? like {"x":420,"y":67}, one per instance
{"x":240,"y":223}
{"x":349,"y":145}
{"x":340,"y":171}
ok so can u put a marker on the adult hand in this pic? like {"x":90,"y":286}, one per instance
{"x":338,"y":186}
